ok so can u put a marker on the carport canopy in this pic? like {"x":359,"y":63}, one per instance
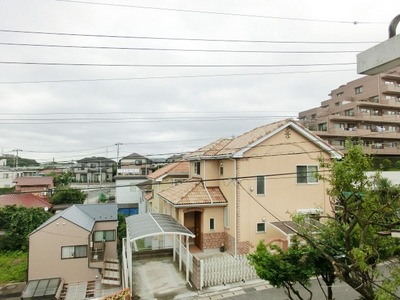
{"x":150,"y":224}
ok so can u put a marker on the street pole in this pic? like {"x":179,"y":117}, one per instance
{"x":16,"y":159}
{"x":118,"y":144}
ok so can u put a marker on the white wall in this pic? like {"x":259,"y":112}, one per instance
{"x":126,"y":190}
{"x":393,"y":176}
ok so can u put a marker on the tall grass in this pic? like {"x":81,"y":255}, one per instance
{"x":13,"y":266}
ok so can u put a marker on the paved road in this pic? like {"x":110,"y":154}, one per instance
{"x":341,"y":291}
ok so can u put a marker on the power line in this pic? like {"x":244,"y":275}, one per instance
{"x":44,"y":121}
{"x":176,"y":65}
{"x":171,"y":77}
{"x":182,"y":49}
{"x":220,"y":13}
{"x":182,"y":38}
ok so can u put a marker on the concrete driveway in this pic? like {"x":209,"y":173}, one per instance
{"x":159,"y":278}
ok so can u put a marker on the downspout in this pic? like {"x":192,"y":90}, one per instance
{"x":235,"y":198}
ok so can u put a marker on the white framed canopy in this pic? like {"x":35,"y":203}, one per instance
{"x":153,"y":224}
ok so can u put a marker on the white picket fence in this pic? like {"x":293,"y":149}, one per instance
{"x":224,"y":270}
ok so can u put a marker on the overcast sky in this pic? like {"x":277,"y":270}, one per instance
{"x":164,"y":77}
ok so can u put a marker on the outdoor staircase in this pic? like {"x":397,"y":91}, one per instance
{"x":111,"y":272}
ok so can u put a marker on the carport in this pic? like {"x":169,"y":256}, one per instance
{"x":152,"y":224}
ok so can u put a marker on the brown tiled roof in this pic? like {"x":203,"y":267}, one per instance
{"x":34,"y":181}
{"x":172,"y":168}
{"x":231,"y":146}
{"x":193,"y":192}
{"x":211,"y":149}
{"x":26,"y":200}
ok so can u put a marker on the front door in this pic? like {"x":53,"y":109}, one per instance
{"x":197,"y":229}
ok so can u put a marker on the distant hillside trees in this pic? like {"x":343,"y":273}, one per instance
{"x":22,"y":162}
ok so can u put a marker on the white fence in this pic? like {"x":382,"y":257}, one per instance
{"x":183,"y":252}
{"x":223,"y":270}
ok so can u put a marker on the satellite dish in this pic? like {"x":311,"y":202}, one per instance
{"x":46,"y":208}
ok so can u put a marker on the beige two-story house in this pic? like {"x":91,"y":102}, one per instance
{"x":238,"y":188}
{"x":76,"y":245}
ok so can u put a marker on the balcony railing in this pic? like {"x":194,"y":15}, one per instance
{"x":96,"y":255}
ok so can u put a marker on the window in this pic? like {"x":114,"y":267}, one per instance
{"x":73,"y":252}
{"x":197,"y":168}
{"x":226,"y":217}
{"x":106,"y":235}
{"x":349,"y":112}
{"x":212,"y":224}
{"x":307,"y":174}
{"x":339,"y":94}
{"x":359,"y":89}
{"x":176,"y":181}
{"x":322,"y":127}
{"x":260,"y":185}
{"x":221,"y":169}
{"x":261,"y":227}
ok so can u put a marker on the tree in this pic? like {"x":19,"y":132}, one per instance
{"x":68,"y":196}
{"x":350,"y":239}
{"x":62,"y":179}
{"x":19,"y":222}
{"x":294,"y":266}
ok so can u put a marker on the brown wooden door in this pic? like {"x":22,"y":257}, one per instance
{"x":197,"y":229}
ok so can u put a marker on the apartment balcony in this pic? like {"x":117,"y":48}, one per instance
{"x":376,"y":149}
{"x":361,"y":133}
{"x":384,"y":118}
{"x":381,"y":150}
{"x":390,"y":89}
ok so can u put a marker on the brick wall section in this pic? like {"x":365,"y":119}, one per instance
{"x":230,"y":244}
{"x":242,"y":247}
{"x":195,"y":275}
{"x":213,"y":240}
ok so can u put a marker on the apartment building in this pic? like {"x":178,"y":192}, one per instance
{"x":366,"y":109}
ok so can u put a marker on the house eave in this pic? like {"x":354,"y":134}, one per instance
{"x":209,"y":157}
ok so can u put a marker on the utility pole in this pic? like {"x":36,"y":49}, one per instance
{"x":118,"y":144}
{"x":101,"y":176}
{"x":16,"y":158}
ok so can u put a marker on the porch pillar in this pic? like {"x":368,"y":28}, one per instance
{"x":174,"y":249}
{"x":187,"y":258}
{"x":180,"y":254}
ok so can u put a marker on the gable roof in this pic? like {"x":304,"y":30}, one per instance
{"x":85,"y":215}
{"x":134,"y":156}
{"x":193,"y":192}
{"x":176,"y":168}
{"x":34,"y":181}
{"x":25,"y":200}
{"x":95,"y":159}
{"x":236,"y":147}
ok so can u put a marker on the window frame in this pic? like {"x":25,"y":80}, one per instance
{"x":197,"y":168}
{"x":260,"y":179}
{"x":358,"y":89}
{"x":75,"y":248}
{"x":211,"y":224}
{"x":114,"y":235}
{"x":309,"y":176}
{"x":263,"y":225}
{"x":226,"y":217}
